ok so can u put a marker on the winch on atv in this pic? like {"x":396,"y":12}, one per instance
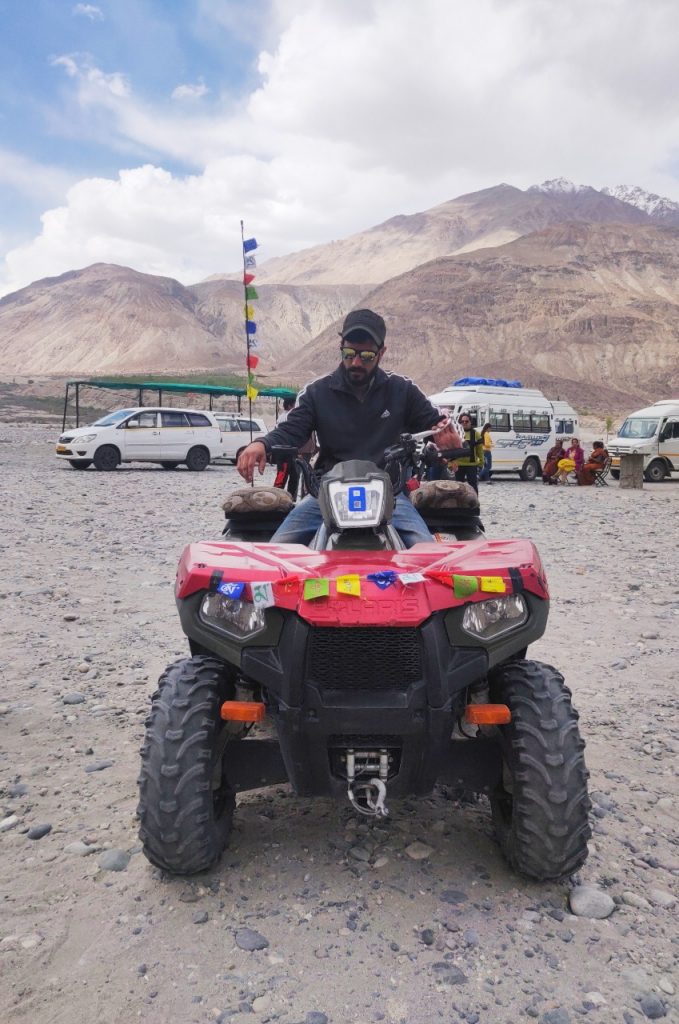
{"x":356,"y":668}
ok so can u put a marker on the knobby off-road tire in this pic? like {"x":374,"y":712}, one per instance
{"x":185,"y":803}
{"x":540,"y":809}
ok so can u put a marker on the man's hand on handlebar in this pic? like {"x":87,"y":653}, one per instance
{"x":445,"y":436}
{"x":253,"y":455}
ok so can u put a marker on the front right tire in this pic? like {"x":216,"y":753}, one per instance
{"x":185,"y":803}
{"x":541,"y":806}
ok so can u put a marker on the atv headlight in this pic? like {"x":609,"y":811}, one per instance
{"x":488,"y":619}
{"x":357,"y":504}
{"x":239,"y":618}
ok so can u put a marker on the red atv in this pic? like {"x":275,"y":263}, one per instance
{"x":359,"y":669}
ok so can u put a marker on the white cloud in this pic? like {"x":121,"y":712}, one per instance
{"x":89,"y":11}
{"x":190,"y":92}
{"x":32,"y":178}
{"x":366,"y":109}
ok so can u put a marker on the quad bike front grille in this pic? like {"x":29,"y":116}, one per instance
{"x":367,"y":658}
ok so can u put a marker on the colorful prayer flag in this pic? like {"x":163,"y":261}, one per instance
{"x":248,"y":278}
{"x":316,"y":588}
{"x":252,"y":362}
{"x":232,"y":590}
{"x":251,"y":393}
{"x":410,"y":577}
{"x":249,"y":312}
{"x":250,"y":326}
{"x":463,"y":586}
{"x":251,"y":293}
{"x":493,"y":585}
{"x":250,"y":261}
{"x":350,"y":584}
{"x":262,"y":595}
{"x":383,"y":579}
{"x":249,"y":244}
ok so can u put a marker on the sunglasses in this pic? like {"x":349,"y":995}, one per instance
{"x":466,"y":423}
{"x":367,"y":357}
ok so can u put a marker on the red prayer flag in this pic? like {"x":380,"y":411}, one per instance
{"x":252,"y":362}
{"x":248,"y":279}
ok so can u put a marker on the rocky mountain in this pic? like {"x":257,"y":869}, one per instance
{"x":479,"y":220}
{"x":571,"y":288}
{"x":586,"y":311}
{"x":112,"y":319}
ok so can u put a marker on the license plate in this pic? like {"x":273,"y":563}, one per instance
{"x":615,"y":462}
{"x":61,"y":448}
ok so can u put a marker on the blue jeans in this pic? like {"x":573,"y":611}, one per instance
{"x":486,"y":472}
{"x":301,"y":523}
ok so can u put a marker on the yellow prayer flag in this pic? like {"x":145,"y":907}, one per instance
{"x":349,"y":585}
{"x":251,"y":393}
{"x":249,"y":312}
{"x":493,"y":584}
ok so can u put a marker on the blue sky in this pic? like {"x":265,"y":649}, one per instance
{"x":140,"y":132}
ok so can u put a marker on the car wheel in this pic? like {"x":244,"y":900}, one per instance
{"x":615,"y":473}
{"x":198,"y":459}
{"x":80,"y":463}
{"x":170,"y":465}
{"x":185,"y":801}
{"x":656,"y":472}
{"x":106,"y":458}
{"x":530,"y":470}
{"x":541,"y":806}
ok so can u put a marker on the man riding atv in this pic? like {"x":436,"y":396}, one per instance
{"x":357,"y":412}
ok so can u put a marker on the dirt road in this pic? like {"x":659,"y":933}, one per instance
{"x":416,"y":920}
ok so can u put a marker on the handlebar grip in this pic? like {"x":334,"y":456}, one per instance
{"x":455,"y":453}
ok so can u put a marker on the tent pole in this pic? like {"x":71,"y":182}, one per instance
{"x":160,"y":396}
{"x":141,"y":398}
{"x":63,"y":421}
{"x":77,"y":405}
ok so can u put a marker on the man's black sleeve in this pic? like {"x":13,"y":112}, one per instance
{"x":421,"y":413}
{"x":295,"y":430}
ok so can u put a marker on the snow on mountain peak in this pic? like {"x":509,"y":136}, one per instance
{"x":649,"y":202}
{"x":560,"y":186}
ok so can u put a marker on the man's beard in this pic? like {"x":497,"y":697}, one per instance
{"x":358,"y":375}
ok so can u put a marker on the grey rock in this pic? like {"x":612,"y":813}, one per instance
{"x":114,"y":860}
{"x":250,"y":940}
{"x":97,"y":766}
{"x":418,"y":851}
{"x":7,"y":823}
{"x":652,"y":1007}
{"x":588,"y":901}
{"x":359,"y":853}
{"x":449,"y":974}
{"x":17,"y":789}
{"x":74,"y":698}
{"x":427,"y":936}
{"x":660,"y":898}
{"x":453,"y":896}
{"x":80,"y":849}
{"x":38,"y":831}
{"x":200,"y":917}
{"x":558,"y":1016}
{"x":315,"y":1017}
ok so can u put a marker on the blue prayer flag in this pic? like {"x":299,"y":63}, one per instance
{"x":249,"y":244}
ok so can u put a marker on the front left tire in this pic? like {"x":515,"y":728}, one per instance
{"x":541,"y":806}
{"x":106,"y":458}
{"x":198,"y":459}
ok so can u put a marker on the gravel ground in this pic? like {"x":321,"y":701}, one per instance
{"x":414,"y":920}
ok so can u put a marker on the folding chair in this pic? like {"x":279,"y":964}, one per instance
{"x":601,"y":474}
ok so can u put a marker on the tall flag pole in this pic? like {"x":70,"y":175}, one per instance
{"x":250,"y":294}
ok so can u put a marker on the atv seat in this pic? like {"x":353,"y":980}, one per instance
{"x":449,"y":506}
{"x":255,"y":513}
{"x":437,"y":495}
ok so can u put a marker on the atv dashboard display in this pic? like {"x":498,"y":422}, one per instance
{"x":355,"y":504}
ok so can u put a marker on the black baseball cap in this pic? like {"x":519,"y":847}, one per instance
{"x":365,"y":320}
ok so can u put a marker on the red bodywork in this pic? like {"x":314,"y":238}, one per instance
{"x":517,"y":562}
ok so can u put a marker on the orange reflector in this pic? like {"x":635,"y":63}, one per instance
{"x":242,"y":711}
{"x":487,"y":714}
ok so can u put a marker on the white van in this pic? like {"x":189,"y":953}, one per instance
{"x":236,"y":430}
{"x":167,"y":436}
{"x":523,"y":423}
{"x":654,"y":433}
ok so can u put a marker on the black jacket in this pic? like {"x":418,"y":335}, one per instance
{"x":348,"y":428}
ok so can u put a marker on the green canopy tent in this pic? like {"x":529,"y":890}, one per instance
{"x":166,"y":387}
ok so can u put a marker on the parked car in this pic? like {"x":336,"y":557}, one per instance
{"x":654,"y":433}
{"x":167,"y":436}
{"x":235,"y":430}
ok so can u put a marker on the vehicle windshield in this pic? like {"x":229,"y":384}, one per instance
{"x":113,"y":417}
{"x":638,"y":427}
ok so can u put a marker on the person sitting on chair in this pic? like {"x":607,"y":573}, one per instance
{"x":552,"y":462}
{"x":595,"y":463}
{"x":571,"y":463}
